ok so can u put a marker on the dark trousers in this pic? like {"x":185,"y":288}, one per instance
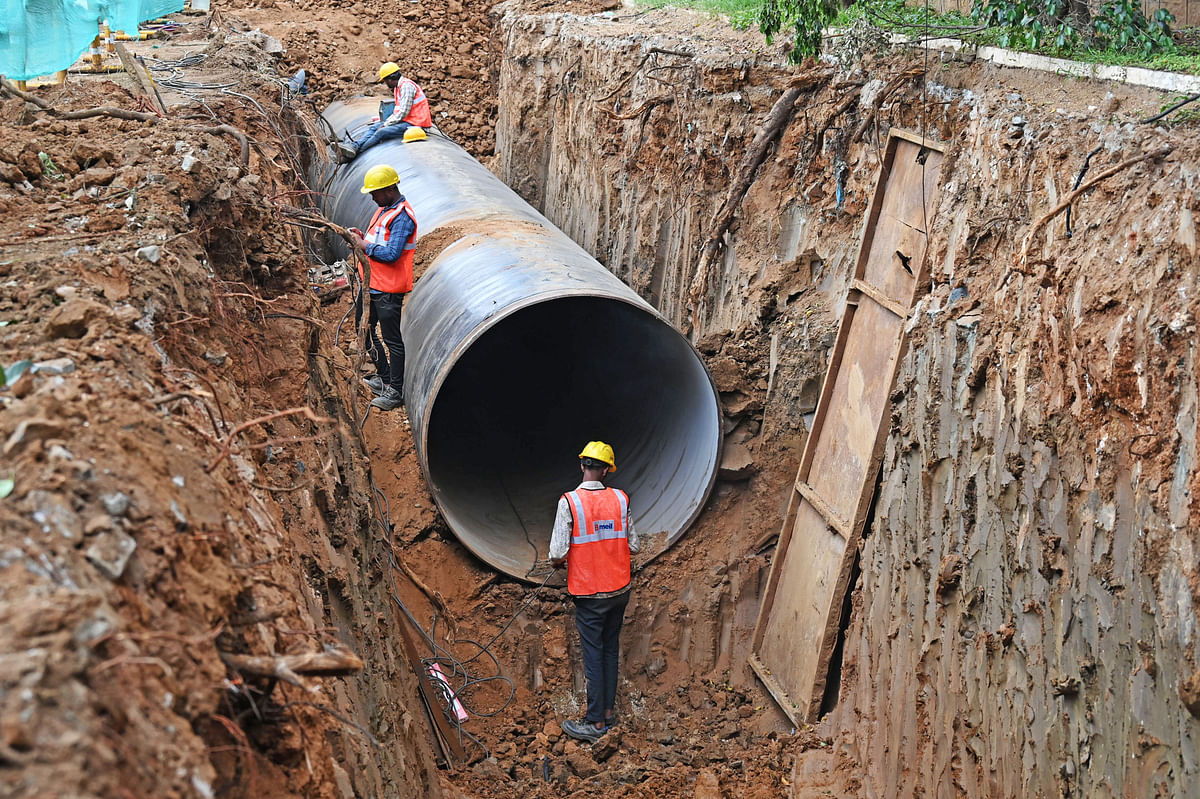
{"x":381,"y":132}
{"x":387,"y":348}
{"x":599,"y":622}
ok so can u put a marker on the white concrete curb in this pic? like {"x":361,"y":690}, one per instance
{"x":1136,"y":76}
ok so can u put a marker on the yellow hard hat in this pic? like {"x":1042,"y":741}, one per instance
{"x":598,"y":450}
{"x":379,"y":177}
{"x":414,"y":134}
{"x":390,"y":68}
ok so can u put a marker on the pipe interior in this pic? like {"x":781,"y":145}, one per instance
{"x":508,"y":422}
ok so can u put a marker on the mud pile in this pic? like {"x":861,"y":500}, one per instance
{"x":184,"y":485}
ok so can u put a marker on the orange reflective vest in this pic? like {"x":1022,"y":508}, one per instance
{"x":419,"y":113}
{"x":598,"y":560}
{"x":395,"y":277}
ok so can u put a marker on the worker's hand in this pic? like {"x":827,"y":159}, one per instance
{"x":357,"y":235}
{"x":558,"y":563}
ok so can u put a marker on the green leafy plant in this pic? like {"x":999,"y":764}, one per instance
{"x":1065,"y":25}
{"x":1121,"y":25}
{"x":806,"y":19}
{"x":1029,"y":24}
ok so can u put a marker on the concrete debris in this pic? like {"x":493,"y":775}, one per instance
{"x":110,"y":552}
{"x":268,"y":44}
{"x":53,"y":514}
{"x":151,"y":253}
{"x":117,"y":503}
{"x":54,"y":366}
{"x":57,"y":452}
{"x":736,"y":463}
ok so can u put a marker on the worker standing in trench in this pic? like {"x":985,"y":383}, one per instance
{"x":594,"y":536}
{"x":389,"y":244}
{"x":409,"y":118}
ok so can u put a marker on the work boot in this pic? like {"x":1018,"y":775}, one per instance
{"x":389,"y":400}
{"x":346,"y":152}
{"x":582,"y":730}
{"x":376,"y":384}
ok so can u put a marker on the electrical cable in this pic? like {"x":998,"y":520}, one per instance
{"x":453,"y":668}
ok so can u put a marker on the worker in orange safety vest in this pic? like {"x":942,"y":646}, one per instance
{"x":593,"y":536}
{"x":389,"y":244}
{"x":409,"y":118}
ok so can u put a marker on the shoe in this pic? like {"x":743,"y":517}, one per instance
{"x":346,"y":152}
{"x":582,"y":730}
{"x":376,"y":384}
{"x":389,"y":400}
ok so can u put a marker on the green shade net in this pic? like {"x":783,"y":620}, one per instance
{"x":39,"y":37}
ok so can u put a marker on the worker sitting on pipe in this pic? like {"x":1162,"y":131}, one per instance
{"x":408,"y":120}
{"x":593,"y":535}
{"x":389,"y":244}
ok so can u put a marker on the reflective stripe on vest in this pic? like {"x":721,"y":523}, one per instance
{"x":395,"y":277}
{"x":598,"y":560}
{"x":419,"y":113}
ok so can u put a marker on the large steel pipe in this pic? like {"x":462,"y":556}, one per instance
{"x":521,"y":347}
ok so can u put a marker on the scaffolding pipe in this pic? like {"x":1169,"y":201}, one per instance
{"x":521,"y":347}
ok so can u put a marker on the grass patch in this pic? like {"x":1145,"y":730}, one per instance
{"x":917,"y":21}
{"x":742,"y":13}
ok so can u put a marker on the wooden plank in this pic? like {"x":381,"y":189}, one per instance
{"x":861,"y":388}
{"x":775,"y":688}
{"x":879,"y":297}
{"x":143,"y":84}
{"x":835,"y":363}
{"x":810,"y":495}
{"x":798,"y":624}
{"x":795,"y":647}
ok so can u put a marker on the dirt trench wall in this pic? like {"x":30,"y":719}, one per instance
{"x":1025,"y":622}
{"x":1029,"y":587}
{"x":628,"y":135}
{"x":165,"y":509}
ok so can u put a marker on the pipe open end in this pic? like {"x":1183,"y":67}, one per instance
{"x":508,"y":420}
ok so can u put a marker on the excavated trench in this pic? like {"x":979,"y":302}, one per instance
{"x":1024,"y":619}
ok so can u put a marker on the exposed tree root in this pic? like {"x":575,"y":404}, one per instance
{"x":771,"y":129}
{"x":887,"y":91}
{"x":1023,"y":258}
{"x":333,"y":662}
{"x":121,"y":113}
